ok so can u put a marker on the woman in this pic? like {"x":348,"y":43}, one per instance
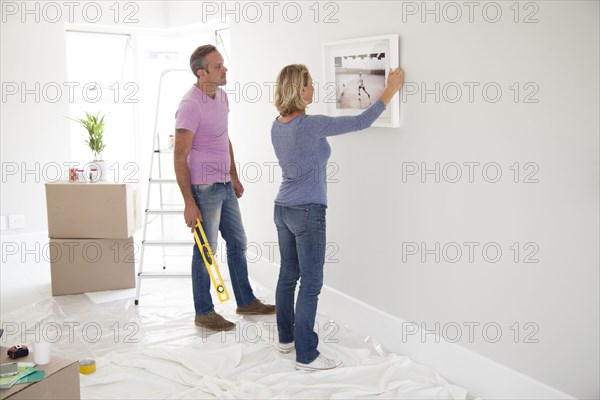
{"x":300,"y":143}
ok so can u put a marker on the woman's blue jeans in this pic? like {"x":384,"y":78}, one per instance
{"x":301,"y":233}
{"x":220,"y":212}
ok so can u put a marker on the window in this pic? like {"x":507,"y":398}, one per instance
{"x":100,"y":69}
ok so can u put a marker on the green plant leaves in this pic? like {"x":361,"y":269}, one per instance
{"x":94,"y":124}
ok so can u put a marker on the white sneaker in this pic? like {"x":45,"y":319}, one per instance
{"x":320,"y":364}
{"x":285,"y":347}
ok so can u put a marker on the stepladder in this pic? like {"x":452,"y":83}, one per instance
{"x":158,"y":209}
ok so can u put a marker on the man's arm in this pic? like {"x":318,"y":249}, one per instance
{"x":183,"y":146}
{"x":237,"y":185}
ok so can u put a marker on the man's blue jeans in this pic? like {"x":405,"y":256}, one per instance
{"x":220,"y":212}
{"x":301,"y":233}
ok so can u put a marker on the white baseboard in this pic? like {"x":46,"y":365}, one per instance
{"x":483,"y":377}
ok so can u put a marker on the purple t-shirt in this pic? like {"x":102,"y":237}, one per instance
{"x":209,"y":160}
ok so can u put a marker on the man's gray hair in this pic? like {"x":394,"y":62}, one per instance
{"x":198,"y":58}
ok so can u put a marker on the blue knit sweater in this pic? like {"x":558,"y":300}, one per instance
{"x":302,"y":150}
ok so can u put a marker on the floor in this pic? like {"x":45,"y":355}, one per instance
{"x":154,"y":350}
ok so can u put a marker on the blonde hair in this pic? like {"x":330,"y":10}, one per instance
{"x":288,"y":91}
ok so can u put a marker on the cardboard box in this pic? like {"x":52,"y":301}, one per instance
{"x":90,"y":210}
{"x":91,"y":265}
{"x":61,"y":380}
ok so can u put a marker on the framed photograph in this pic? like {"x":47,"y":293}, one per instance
{"x":355,"y":75}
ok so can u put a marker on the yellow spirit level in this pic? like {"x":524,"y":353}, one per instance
{"x":209,"y":261}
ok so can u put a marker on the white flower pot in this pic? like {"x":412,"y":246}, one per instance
{"x":103,"y":171}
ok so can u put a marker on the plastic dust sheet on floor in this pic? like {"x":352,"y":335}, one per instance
{"x":154,"y":350}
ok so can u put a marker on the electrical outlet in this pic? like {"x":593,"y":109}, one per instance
{"x":3,"y":223}
{"x":16,"y":221}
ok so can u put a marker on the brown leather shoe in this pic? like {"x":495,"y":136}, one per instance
{"x":214,"y":322}
{"x":256,"y":307}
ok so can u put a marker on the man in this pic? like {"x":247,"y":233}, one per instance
{"x":206,"y":174}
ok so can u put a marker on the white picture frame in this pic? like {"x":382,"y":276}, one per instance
{"x":356,"y":71}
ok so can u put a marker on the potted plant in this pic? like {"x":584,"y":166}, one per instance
{"x":94,"y":124}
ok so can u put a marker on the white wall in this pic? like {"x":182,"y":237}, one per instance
{"x":33,"y":133}
{"x":372,"y":211}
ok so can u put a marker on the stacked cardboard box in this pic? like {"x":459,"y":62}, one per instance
{"x":90,"y":226}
